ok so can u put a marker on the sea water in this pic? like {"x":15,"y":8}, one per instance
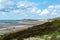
{"x":12,"y":23}
{"x":7,"y":22}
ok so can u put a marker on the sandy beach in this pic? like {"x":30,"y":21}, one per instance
{"x":13,"y":27}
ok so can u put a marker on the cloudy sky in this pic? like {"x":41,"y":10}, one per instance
{"x":29,"y":9}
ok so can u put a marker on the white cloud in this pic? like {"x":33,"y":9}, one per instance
{"x":44,"y":12}
{"x":4,"y":4}
{"x":54,"y":6}
{"x":51,"y":6}
{"x":54,"y":10}
{"x":24,"y":4}
{"x":20,"y":4}
{"x":33,"y":10}
{"x":57,"y":6}
{"x":1,"y":6}
{"x":38,"y":11}
{"x":26,"y":8}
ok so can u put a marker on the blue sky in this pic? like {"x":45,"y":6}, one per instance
{"x":29,"y":9}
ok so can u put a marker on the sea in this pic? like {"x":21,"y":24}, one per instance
{"x":3,"y":23}
{"x":6,"y":24}
{"x":11,"y":23}
{"x":18,"y":23}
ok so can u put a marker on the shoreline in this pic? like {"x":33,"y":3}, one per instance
{"x":13,"y":27}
